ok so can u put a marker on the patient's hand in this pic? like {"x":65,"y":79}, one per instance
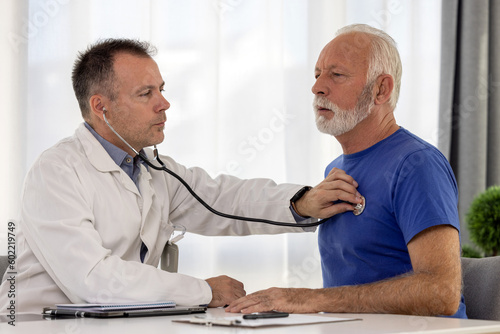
{"x":290,"y":300}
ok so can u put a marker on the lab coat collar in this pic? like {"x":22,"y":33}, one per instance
{"x":100,"y":159}
{"x":94,"y":151}
{"x":117,"y":154}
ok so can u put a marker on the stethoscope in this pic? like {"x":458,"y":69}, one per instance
{"x":164,"y":168}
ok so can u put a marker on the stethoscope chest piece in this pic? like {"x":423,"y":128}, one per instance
{"x":359,"y":208}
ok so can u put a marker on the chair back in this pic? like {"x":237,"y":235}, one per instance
{"x":481,"y":287}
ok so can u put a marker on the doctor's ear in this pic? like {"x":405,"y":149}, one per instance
{"x":97,"y":103}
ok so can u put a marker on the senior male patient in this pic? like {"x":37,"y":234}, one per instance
{"x":95,"y":219}
{"x":401,"y":254}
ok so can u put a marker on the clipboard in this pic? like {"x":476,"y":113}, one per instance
{"x":238,"y":321}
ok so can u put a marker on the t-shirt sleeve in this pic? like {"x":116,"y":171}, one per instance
{"x":425,"y":193}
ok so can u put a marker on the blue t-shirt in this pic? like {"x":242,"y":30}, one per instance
{"x":409,"y":186}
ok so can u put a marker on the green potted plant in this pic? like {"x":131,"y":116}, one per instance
{"x":483,"y":220}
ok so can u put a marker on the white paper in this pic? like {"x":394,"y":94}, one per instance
{"x":238,"y":321}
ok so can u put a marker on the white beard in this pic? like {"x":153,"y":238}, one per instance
{"x":343,"y":120}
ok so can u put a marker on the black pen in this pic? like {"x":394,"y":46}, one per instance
{"x":50,"y":312}
{"x":264,"y":315}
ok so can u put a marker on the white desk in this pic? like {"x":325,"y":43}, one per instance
{"x":371,"y":323}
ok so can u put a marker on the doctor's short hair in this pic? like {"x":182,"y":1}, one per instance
{"x":384,"y":58}
{"x":93,"y":69}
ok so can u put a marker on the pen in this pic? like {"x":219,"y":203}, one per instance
{"x":63,"y":313}
{"x":264,"y":315}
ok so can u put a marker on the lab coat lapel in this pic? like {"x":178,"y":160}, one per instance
{"x":150,"y":216}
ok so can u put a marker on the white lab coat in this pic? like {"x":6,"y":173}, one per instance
{"x":83,"y":221}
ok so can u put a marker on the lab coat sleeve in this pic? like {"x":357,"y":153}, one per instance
{"x":256,"y":198}
{"x":57,"y":219}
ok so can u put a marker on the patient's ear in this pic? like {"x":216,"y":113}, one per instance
{"x":384,"y":87}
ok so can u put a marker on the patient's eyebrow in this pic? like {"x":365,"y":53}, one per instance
{"x":332,"y":67}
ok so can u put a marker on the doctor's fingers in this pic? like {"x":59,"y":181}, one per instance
{"x":332,"y":192}
{"x":231,"y":294}
{"x":344,"y":193}
{"x":339,"y":174}
{"x":237,"y":290}
{"x":224,"y":280}
{"x":324,"y":203}
{"x":339,"y":182}
{"x":321,"y":203}
{"x":335,"y":209}
{"x":226,"y":287}
{"x":222,"y":297}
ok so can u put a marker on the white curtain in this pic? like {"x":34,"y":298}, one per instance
{"x":238,"y":75}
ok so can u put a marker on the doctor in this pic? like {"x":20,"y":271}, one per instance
{"x":94,"y":219}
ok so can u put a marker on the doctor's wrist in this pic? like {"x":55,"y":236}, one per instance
{"x":296,"y":200}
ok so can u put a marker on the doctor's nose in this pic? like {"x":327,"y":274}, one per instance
{"x":164,"y":104}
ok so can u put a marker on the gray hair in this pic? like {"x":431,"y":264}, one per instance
{"x":384,"y":56}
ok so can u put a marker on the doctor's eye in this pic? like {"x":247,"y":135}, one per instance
{"x":146,"y":93}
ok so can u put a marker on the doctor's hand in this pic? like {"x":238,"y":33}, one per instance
{"x":321,"y":201}
{"x":225,"y":290}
